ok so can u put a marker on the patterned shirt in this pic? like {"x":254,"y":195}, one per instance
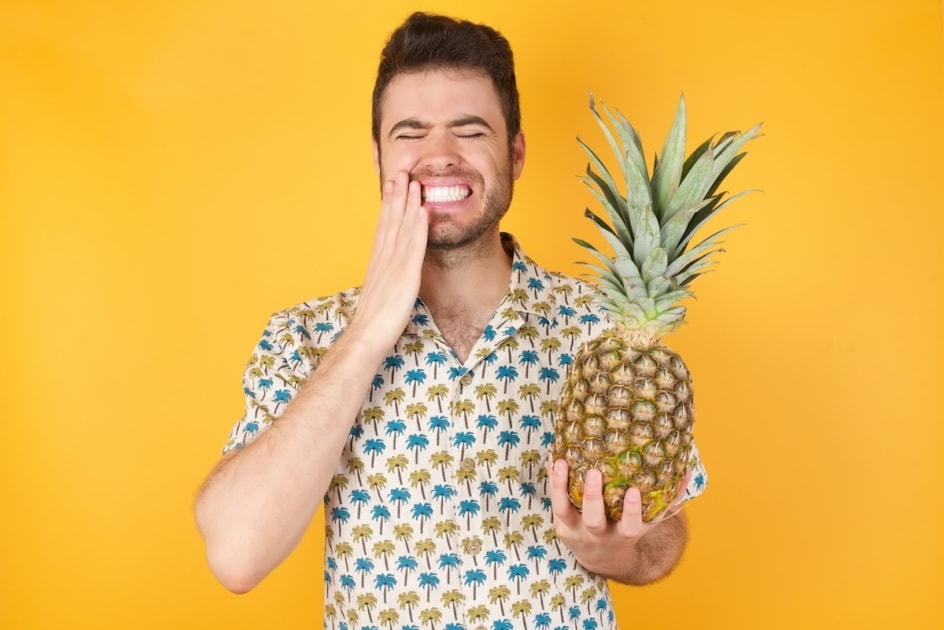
{"x":438,"y":515}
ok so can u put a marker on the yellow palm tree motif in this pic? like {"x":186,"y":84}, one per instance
{"x":407,"y":601}
{"x":355,"y":466}
{"x":446,"y":529}
{"x":431,"y":616}
{"x":404,"y":532}
{"x":488,"y":458}
{"x":463,"y":408}
{"x":529,"y":391}
{"x":520,"y":609}
{"x":393,"y":398}
{"x":442,"y":460}
{"x":382,"y":549}
{"x":550,"y":345}
{"x":338,"y":483}
{"x":510,"y":344}
{"x":571,"y":333}
{"x":539,"y":589}
{"x":573,"y":583}
{"x":416,"y":411}
{"x":509,"y":407}
{"x":485,"y":392}
{"x":531,"y":458}
{"x":420,"y":478}
{"x":361,"y":534}
{"x":367,"y":601}
{"x":532,"y":522}
{"x":374,"y":415}
{"x":436,"y":393}
{"x":396,"y":464}
{"x":377,"y":482}
{"x":267,"y":362}
{"x":529,"y":333}
{"x":587,"y":596}
{"x":344,"y":550}
{"x":477,"y":614}
{"x":424,"y":548}
{"x":499,"y":595}
{"x":388,"y":616}
{"x":492,"y":525}
{"x":559,"y":603}
{"x":453,"y":597}
{"x":512,"y":541}
{"x":414,"y":348}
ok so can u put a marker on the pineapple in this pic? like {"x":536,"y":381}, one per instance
{"x":626,"y":407}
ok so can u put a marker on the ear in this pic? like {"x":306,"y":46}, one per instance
{"x":517,"y":155}
{"x":376,"y":156}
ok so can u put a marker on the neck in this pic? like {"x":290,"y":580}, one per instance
{"x":476,"y":275}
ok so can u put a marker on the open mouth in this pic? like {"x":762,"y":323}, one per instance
{"x":443,"y":194}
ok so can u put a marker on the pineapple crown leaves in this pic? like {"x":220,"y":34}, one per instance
{"x":651,"y":228}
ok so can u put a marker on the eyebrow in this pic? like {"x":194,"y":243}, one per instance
{"x":465,"y":121}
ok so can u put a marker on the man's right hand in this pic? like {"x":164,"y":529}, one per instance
{"x":392,"y":283}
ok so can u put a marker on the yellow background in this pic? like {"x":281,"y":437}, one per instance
{"x":173,"y":171}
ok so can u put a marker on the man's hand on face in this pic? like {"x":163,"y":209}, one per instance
{"x":393,"y":273}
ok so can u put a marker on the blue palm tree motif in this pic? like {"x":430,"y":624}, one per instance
{"x":415,"y":377}
{"x":462,"y":439}
{"x":528,"y":358}
{"x":589,"y":319}
{"x":340,"y":515}
{"x":502,"y":624}
{"x":393,"y":363}
{"x":302,"y":332}
{"x":509,"y":505}
{"x":265,"y":345}
{"x":549,"y":375}
{"x":537,"y":553}
{"x":439,"y":424}
{"x":566,"y":311}
{"x":508,"y":439}
{"x":384,"y":582}
{"x":699,"y":481}
{"x":281,"y":396}
{"x":535,"y":285}
{"x":422,"y":511}
{"x":507,"y":373}
{"x":495,"y":558}
{"x":565,"y":359}
{"x":373,"y":448}
{"x":395,"y":427}
{"x":468,"y":508}
{"x":542,"y":621}
{"x":356,"y":432}
{"x":528,"y":491}
{"x":488,"y":489}
{"x":347,"y":582}
{"x":488,"y":360}
{"x":249,"y":392}
{"x":574,"y":613}
{"x":486,"y":422}
{"x":519,"y":267}
{"x":556,"y":566}
{"x":443,"y":492}
{"x":449,"y":560}
{"x":323,"y":327}
{"x":530,"y":423}
{"x":489,"y":333}
{"x":296,"y":359}
{"x":475,"y":577}
{"x":518,"y":572}
{"x":360,"y":497}
{"x":378,"y":381}
{"x":429,"y":581}
{"x":265,"y":384}
{"x":590,"y":624}
{"x":547,"y":438}
{"x":601,"y":606}
{"x":436,"y":359}
{"x":364,"y":566}
{"x":380,"y":513}
{"x":456,"y":372}
{"x":399,"y":496}
{"x":420,"y":319}
{"x":251,"y":428}
{"x":406,"y":564}
{"x":417,"y":442}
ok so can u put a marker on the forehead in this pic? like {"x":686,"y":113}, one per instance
{"x":440,"y":95}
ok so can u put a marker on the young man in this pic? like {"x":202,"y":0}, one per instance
{"x":418,"y":408}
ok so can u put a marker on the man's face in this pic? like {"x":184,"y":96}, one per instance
{"x":446,"y":128}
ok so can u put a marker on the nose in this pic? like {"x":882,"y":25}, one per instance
{"x":440,"y":151}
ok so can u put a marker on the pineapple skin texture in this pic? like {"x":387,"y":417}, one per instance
{"x":626,"y":409}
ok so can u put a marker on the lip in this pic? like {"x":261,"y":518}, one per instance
{"x":445,"y":182}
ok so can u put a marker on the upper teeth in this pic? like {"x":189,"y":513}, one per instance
{"x":445,"y":193}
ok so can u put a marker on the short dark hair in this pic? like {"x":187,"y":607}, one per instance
{"x":429,"y":42}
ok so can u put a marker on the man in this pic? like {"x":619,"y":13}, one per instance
{"x":419,"y":407}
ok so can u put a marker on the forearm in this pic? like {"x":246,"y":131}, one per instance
{"x":642,"y":560}
{"x":258,"y":502}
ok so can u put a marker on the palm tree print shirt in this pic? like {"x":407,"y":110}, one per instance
{"x":438,"y":515}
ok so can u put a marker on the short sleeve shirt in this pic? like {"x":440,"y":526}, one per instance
{"x":438,"y":514}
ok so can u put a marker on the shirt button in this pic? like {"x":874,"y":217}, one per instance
{"x":467,"y":379}
{"x":475,"y":547}
{"x":467,"y":464}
